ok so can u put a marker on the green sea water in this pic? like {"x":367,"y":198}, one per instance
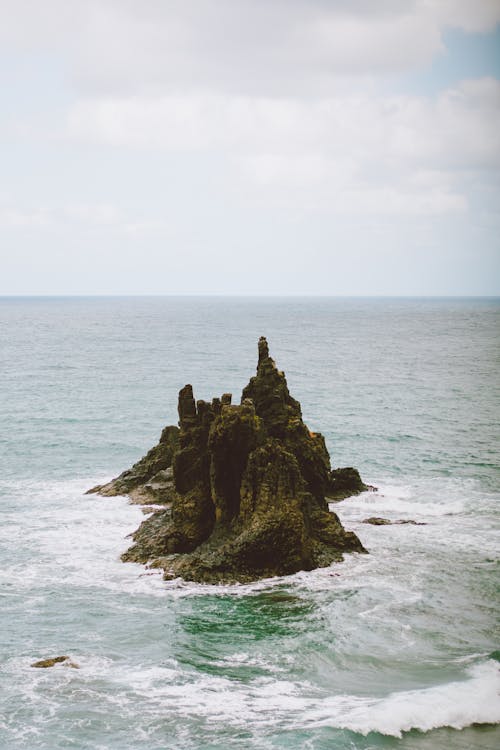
{"x":395,"y":649}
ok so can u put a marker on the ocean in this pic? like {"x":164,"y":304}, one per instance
{"x":395,"y":649}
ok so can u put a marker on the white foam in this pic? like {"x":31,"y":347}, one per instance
{"x":456,"y":705}
{"x":68,"y":537}
{"x":450,"y":509}
{"x":410,"y":501}
{"x":72,"y":537}
{"x":243,"y":659}
{"x":273,"y":702}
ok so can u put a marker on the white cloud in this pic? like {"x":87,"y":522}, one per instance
{"x":460,"y":126}
{"x":15,"y":218}
{"x":98,"y":214}
{"x":182,"y":121}
{"x":469,"y":15}
{"x":381,"y":44}
{"x":255,"y":47}
{"x":363,"y":149}
{"x":398,"y":201}
{"x":77,"y":215}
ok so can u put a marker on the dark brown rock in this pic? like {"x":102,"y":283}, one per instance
{"x":345,"y":482}
{"x":269,"y":392}
{"x":249,"y":489}
{"x":52,"y":661}
{"x":148,"y":469}
{"x":377,"y":521}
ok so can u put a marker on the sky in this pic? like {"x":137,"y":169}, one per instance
{"x":247,"y":147}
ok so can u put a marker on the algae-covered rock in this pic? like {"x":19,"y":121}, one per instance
{"x":53,"y":660}
{"x":378,"y":521}
{"x":249,"y":491}
{"x":345,"y":482}
{"x":149,"y":479}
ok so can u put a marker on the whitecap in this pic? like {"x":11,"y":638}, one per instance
{"x":455,"y":704}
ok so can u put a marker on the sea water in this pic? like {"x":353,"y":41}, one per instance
{"x":394,"y":649}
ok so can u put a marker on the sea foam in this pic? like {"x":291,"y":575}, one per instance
{"x":455,"y":704}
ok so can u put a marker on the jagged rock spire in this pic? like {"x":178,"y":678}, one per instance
{"x":270,"y":395}
{"x":263,"y":349}
{"x":187,"y":405}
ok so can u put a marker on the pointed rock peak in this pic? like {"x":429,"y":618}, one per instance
{"x":266,"y":363}
{"x":269,"y":392}
{"x":187,"y":405}
{"x":263,"y":349}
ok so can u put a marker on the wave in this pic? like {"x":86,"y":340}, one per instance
{"x":169,"y":690}
{"x":52,"y":534}
{"x":273,"y":701}
{"x":418,"y":500}
{"x":456,"y":705}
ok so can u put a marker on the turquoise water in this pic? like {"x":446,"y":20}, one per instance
{"x":391,"y":650}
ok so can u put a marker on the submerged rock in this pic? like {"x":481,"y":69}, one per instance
{"x":378,"y":521}
{"x":53,"y":660}
{"x":248,"y":491}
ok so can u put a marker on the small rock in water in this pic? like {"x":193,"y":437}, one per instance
{"x":377,"y":521}
{"x":45,"y":663}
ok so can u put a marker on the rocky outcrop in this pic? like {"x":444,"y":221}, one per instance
{"x":346,"y":482}
{"x":53,"y":660}
{"x":378,"y":521}
{"x":151,"y":478}
{"x":248,"y":492}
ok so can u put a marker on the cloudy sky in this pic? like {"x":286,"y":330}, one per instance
{"x":250,"y":147}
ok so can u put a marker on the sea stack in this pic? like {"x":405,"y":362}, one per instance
{"x":244,"y":488}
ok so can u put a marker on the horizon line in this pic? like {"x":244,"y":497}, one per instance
{"x":220,"y":295}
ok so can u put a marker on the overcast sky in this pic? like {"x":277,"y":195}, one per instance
{"x":250,"y":147}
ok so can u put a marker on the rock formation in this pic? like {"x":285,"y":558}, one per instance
{"x":150,"y":479}
{"x":244,"y":488}
{"x":53,"y":660}
{"x":377,"y":521}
